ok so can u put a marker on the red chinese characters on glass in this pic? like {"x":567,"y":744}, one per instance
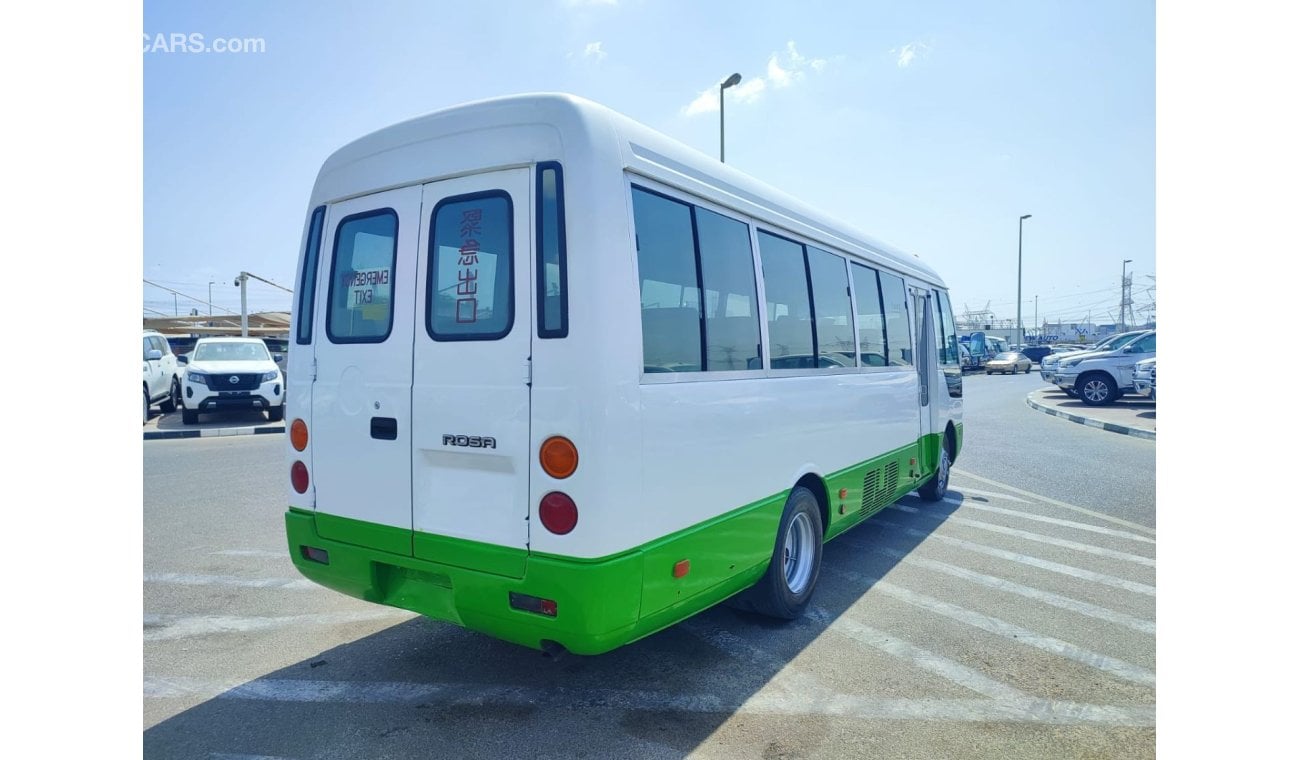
{"x":471,"y":226}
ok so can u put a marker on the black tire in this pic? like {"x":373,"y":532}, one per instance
{"x":173,"y":399}
{"x":773,"y":595}
{"x":1097,"y":389}
{"x":1072,"y":393}
{"x":275,"y":413}
{"x":936,"y":487}
{"x":146,"y":408}
{"x":189,"y":416}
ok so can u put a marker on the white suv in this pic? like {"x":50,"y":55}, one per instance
{"x":1101,"y":377}
{"x":231,"y":373}
{"x":162,"y":385}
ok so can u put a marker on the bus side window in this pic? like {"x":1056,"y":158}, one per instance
{"x":871,"y":317}
{"x":898,"y":333}
{"x":670,"y":289}
{"x":731,"y":296}
{"x":789,"y":311}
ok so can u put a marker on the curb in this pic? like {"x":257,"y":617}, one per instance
{"x":158,"y":435}
{"x":1112,"y":427}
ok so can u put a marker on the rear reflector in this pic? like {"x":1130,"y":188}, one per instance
{"x":533,"y":604}
{"x":681,"y":568}
{"x":558,"y":456}
{"x":558,"y":512}
{"x":316,"y":555}
{"x":298,"y":476}
{"x":298,"y":435}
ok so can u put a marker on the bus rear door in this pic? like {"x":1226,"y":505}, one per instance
{"x":361,"y":396}
{"x":471,"y":395}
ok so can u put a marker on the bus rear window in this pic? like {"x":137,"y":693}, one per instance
{"x":361,"y":278}
{"x":552,"y":274}
{"x":470,"y":281}
{"x":307,"y":287}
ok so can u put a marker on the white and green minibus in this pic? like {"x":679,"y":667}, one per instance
{"x":560,"y":379}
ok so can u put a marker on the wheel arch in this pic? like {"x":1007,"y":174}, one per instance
{"x":814,"y":483}
{"x":950,"y":438}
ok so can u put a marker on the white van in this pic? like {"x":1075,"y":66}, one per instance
{"x":560,"y":379}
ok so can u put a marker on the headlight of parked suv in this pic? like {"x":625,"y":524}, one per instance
{"x":1069,"y":363}
{"x":269,"y":376}
{"x":198,"y":378}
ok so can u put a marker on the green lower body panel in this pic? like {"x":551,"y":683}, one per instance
{"x":600,"y":604}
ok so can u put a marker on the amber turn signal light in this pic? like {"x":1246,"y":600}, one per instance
{"x":559,"y":457}
{"x":298,"y":435}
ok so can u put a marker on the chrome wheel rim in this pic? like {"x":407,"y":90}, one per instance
{"x":799,"y":551}
{"x":1095,"y":390}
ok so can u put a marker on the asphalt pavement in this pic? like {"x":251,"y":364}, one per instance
{"x":1013,"y":620}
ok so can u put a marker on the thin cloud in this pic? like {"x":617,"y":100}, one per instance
{"x":593,"y":51}
{"x":910,"y":52}
{"x":784,"y":69}
{"x":579,"y":3}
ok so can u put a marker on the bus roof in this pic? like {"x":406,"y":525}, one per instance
{"x":403,"y":154}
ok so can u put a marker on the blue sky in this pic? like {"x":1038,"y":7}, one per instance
{"x":932,"y":125}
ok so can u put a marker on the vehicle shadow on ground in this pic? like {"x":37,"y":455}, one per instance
{"x":1151,"y":415}
{"x":425,"y":688}
{"x":224,"y":419}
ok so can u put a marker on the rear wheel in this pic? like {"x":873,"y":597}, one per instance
{"x":146,"y":408}
{"x":787,"y":587}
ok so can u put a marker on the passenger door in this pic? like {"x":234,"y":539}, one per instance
{"x":361,"y":395}
{"x":922,"y":316}
{"x":470,"y":394}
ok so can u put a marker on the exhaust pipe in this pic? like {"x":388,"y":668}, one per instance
{"x":553,"y":650}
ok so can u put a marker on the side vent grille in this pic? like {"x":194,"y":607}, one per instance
{"x":878,"y":488}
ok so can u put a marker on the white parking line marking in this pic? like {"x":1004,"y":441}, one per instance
{"x":164,"y":627}
{"x":928,"y":661}
{"x":1011,"y":587}
{"x":1047,"y":500}
{"x":968,"y":504}
{"x":445,"y":695}
{"x":1023,"y":559}
{"x":1110,"y":665}
{"x":1030,"y":536}
{"x":183,"y":579}
{"x":743,"y":651}
{"x":991,"y":494}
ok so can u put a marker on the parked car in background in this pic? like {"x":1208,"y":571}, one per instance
{"x":1101,"y":377}
{"x":1144,"y":378}
{"x":231,"y":373}
{"x":1035,"y":353}
{"x":161,"y":375}
{"x":279,"y":348}
{"x":1047,"y":367}
{"x":1007,"y":361}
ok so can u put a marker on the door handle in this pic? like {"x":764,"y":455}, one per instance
{"x":383,"y":428}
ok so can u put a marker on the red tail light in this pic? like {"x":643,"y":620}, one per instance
{"x":298,"y":476}
{"x":558,"y":512}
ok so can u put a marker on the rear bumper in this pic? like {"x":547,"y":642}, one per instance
{"x":598,"y":603}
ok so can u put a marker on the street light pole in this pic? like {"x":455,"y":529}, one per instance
{"x":731,"y":81}
{"x":210,"y":283}
{"x":1020,"y":249}
{"x":1123,"y":294}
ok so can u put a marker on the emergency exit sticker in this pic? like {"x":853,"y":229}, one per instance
{"x":367,"y":287}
